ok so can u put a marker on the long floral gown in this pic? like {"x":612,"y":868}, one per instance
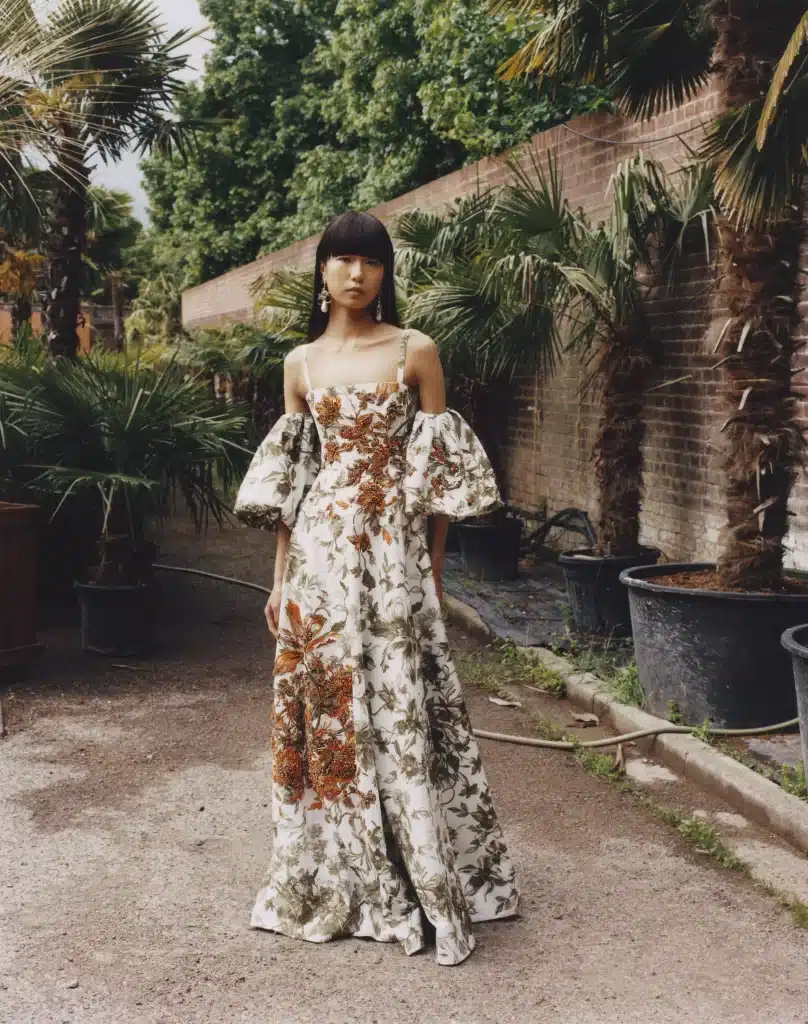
{"x":380,"y":804}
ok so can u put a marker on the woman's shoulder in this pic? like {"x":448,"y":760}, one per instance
{"x":295,"y":356}
{"x":417,"y":341}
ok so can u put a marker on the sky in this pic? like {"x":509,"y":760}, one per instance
{"x":177,"y":14}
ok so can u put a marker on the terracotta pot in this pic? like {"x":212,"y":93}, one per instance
{"x":18,"y":571}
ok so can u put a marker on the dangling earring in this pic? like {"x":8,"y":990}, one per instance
{"x":325,"y":298}
{"x":379,"y":309}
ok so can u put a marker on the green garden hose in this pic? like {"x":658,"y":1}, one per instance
{"x":531,"y":741}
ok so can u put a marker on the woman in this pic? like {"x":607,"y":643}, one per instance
{"x":380,"y":806}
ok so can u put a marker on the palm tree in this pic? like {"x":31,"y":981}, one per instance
{"x":107,"y":85}
{"x":477,"y":281}
{"x":111,"y":228}
{"x":590,"y":278}
{"x":654,"y":54}
{"x":127,"y":436}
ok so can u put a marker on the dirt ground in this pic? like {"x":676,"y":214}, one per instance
{"x":133,"y":823}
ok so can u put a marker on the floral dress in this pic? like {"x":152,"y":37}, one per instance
{"x":380,"y":806}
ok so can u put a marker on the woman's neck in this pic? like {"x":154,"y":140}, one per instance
{"x":348,"y":325}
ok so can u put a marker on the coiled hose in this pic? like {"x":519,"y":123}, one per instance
{"x":531,"y":741}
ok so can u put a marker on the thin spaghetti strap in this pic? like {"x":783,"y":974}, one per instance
{"x":306,"y":376}
{"x":402,"y":357}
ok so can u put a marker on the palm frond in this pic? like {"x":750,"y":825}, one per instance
{"x":757,"y":185}
{"x":779,"y":78}
{"x":108,"y":422}
{"x":652,"y":54}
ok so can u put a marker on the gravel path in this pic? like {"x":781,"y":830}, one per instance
{"x":133,"y":822}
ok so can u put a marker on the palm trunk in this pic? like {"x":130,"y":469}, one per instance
{"x":116,"y":294}
{"x":64,"y":249}
{"x":20,"y":313}
{"x":623,"y":371}
{"x":760,"y":288}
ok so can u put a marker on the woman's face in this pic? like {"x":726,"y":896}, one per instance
{"x":352,"y":280}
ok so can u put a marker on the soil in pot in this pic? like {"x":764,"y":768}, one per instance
{"x":713,"y":654}
{"x":598,"y":600}
{"x":491,"y":551}
{"x":116,"y":620}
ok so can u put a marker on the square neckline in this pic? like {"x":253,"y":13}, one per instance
{"x":363,"y":385}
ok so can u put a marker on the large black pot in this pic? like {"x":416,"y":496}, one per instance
{"x":116,"y":620}
{"x":795,"y":641}
{"x":598,"y":600}
{"x":491,"y":551}
{"x":453,"y":537}
{"x":718,"y":655}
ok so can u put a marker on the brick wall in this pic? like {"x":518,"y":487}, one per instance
{"x":551,"y":427}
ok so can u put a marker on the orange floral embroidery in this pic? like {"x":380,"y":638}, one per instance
{"x":360,"y":432}
{"x":372,"y":498}
{"x":328,"y":409}
{"x":385,"y":389}
{"x":287,"y":769}
{"x":300,"y":639}
{"x":331,"y":751}
{"x":313,"y":740}
{"x":331,"y":452}
{"x":361,"y":542}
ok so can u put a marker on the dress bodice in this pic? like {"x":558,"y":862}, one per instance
{"x":363,"y":431}
{"x":367,"y":448}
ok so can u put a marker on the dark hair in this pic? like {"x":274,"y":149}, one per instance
{"x":361,"y":234}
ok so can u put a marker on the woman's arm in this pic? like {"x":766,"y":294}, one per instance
{"x":294,"y":401}
{"x":423,"y":364}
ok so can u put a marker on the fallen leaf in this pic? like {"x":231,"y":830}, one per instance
{"x":586,"y":718}
{"x":505,"y":703}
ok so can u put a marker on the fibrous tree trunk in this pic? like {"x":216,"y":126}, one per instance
{"x":20,"y":313}
{"x":116,"y":294}
{"x":759,"y":286}
{"x":624,"y":365}
{"x":64,"y":249}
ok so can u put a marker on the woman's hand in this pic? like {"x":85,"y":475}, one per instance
{"x":272,"y":609}
{"x":437,"y":528}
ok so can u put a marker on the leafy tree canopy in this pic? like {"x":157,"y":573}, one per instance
{"x":309,"y":107}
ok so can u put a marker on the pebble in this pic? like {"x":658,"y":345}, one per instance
{"x":73,"y":984}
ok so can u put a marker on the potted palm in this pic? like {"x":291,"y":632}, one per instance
{"x":466,"y":288}
{"x":136,"y":438}
{"x":626,"y":257}
{"x":709,"y":635}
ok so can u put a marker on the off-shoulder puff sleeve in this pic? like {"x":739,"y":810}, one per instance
{"x":281,"y":473}
{"x":447,"y":470}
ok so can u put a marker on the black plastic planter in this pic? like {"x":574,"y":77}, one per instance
{"x":116,"y":620}
{"x":598,"y":600}
{"x":491,"y":552}
{"x":795,"y":641}
{"x":453,"y":538}
{"x":717,"y":655}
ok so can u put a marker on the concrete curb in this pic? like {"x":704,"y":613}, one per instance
{"x":743,"y":789}
{"x":467,"y":618}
